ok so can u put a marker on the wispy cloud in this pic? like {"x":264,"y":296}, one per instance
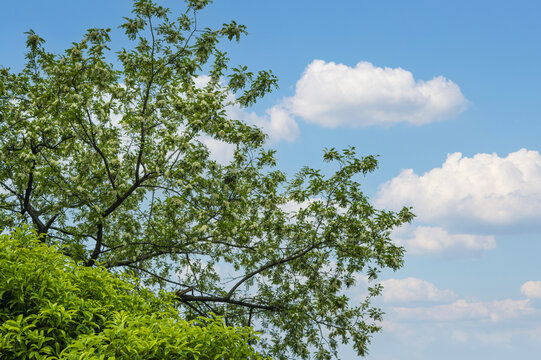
{"x":465,"y":310}
{"x":413,"y":289}
{"x":437,"y":242}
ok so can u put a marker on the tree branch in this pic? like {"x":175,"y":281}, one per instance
{"x":97,"y":249}
{"x":128,"y":192}
{"x":94,"y":144}
{"x":189,"y":298}
{"x":272,"y":264}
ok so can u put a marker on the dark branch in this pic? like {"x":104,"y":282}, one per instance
{"x":97,"y":248}
{"x":272,"y":264}
{"x":225,"y":300}
{"x":121,"y":199}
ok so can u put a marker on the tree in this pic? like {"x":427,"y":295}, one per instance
{"x":108,"y":161}
{"x":50,"y":308}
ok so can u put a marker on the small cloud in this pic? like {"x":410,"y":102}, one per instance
{"x":220,"y":151}
{"x":293,"y":207}
{"x":278,"y":123}
{"x":508,"y":308}
{"x":463,"y":310}
{"x":332,"y":95}
{"x":531,"y":289}
{"x":413,"y":289}
{"x":437,"y":242}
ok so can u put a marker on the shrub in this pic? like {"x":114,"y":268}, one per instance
{"x":52,"y":308}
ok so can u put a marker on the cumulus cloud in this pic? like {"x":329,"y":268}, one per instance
{"x":463,"y":310}
{"x":485,"y":189}
{"x":333,"y":95}
{"x":531,"y":289}
{"x":437,"y":242}
{"x":413,"y":289}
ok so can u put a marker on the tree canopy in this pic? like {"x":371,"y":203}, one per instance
{"x":107,"y":159}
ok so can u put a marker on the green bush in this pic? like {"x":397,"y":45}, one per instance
{"x":52,"y":308}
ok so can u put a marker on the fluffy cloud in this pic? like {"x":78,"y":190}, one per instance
{"x":484,"y":189}
{"x":436,"y":241}
{"x":332,"y":95}
{"x":531,"y":289}
{"x":413,"y":289}
{"x":464,"y":310}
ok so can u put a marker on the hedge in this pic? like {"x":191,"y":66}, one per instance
{"x":53,"y":308}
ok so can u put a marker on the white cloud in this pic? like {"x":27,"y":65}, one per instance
{"x":220,"y":151}
{"x":280,"y":124}
{"x":508,"y":308}
{"x":293,"y":207}
{"x":332,"y":95}
{"x":413,"y":289}
{"x":436,"y":241}
{"x":464,"y":310}
{"x":277,"y":123}
{"x":484,"y":189}
{"x":531,"y":289}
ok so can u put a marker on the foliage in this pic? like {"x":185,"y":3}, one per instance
{"x":110,"y":162}
{"x":50,"y":308}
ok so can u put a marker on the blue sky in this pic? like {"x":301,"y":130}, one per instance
{"x":447,"y":93}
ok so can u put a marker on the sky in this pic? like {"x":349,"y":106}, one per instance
{"x":446,"y":93}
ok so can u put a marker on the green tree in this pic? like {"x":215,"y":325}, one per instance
{"x":107,"y":161}
{"x":50,"y":308}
